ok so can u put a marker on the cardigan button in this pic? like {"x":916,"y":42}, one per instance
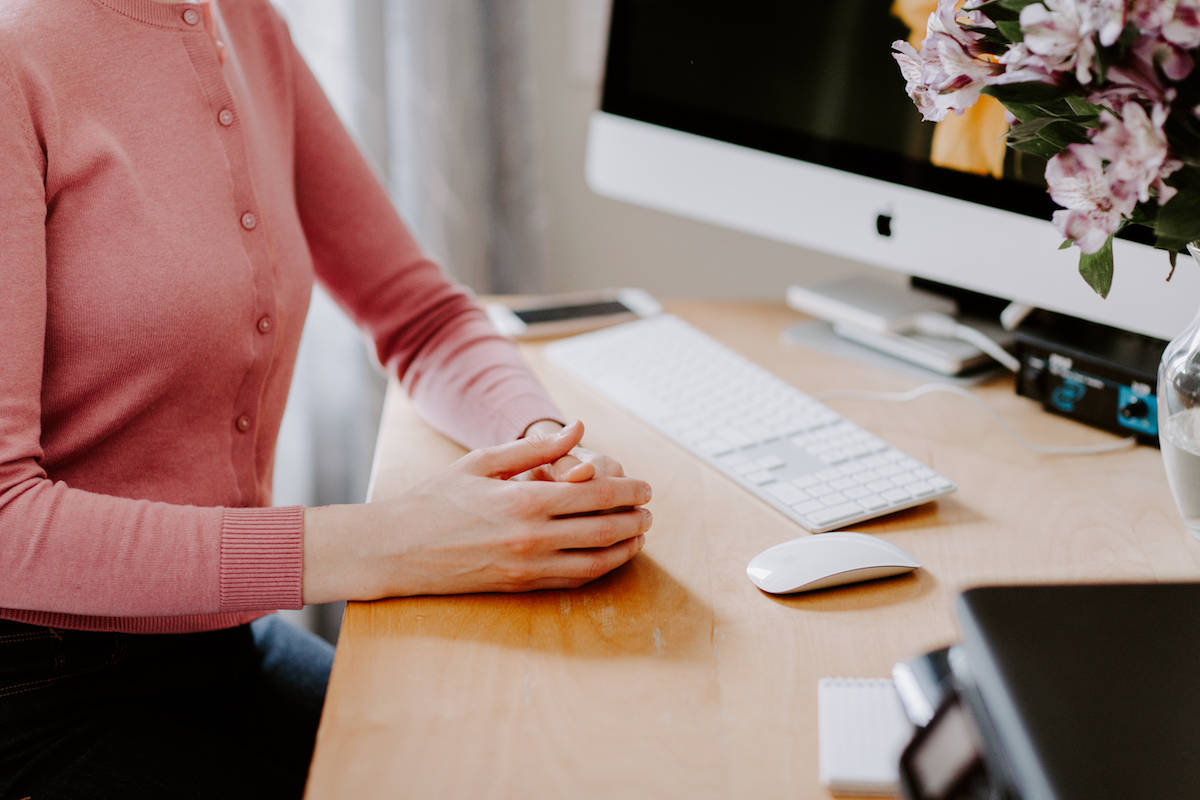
{"x":191,"y":16}
{"x":249,"y":221}
{"x":225,"y":117}
{"x":265,"y":325}
{"x":243,"y":423}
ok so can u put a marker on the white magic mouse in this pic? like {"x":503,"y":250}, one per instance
{"x":827,"y":559}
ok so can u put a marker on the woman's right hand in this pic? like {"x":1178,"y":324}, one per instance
{"x":470,"y":529}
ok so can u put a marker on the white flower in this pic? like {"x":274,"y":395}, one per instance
{"x":1140,"y":75}
{"x":1135,"y":148}
{"x":947,"y":73}
{"x":1093,"y":206}
{"x":1151,"y":15}
{"x":1064,"y":32}
{"x":1183,"y":28}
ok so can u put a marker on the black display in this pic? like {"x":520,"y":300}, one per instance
{"x":814,"y":81}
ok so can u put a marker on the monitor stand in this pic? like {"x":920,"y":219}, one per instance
{"x":875,"y":313}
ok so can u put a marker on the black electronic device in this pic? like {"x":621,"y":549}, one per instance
{"x":1064,"y":692}
{"x":1092,"y":373}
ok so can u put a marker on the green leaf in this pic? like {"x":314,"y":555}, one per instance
{"x":1065,"y":244}
{"x":1030,"y":92}
{"x":1036,"y":147}
{"x":1011,"y":30}
{"x":1081,"y":107}
{"x":1058,"y":132}
{"x":1062,"y":133}
{"x":992,"y":40}
{"x":1009,"y":6}
{"x":1030,"y":129}
{"x":994,"y":11}
{"x":1097,"y":268}
{"x":1025,"y":112}
{"x":1178,"y":221}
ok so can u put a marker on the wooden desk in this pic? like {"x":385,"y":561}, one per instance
{"x":674,"y":676}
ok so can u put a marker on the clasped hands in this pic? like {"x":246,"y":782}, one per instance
{"x":537,"y":513}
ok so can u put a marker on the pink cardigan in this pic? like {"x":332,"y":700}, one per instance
{"x":172,"y":179}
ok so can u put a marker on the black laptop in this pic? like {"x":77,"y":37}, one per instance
{"x":1085,"y":691}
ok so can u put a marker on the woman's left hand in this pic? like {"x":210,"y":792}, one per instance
{"x":581,"y":464}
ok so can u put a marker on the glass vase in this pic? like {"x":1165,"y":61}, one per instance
{"x":1179,"y":418}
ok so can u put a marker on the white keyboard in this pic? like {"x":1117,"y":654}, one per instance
{"x":808,"y":462}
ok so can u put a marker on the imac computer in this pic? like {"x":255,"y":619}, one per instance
{"x":789,"y":120}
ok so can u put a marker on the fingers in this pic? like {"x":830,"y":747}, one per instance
{"x":572,"y":568}
{"x":506,"y":460}
{"x":605,"y":466}
{"x":582,"y":464}
{"x":596,"y":495}
{"x":591,"y":564}
{"x":571,"y":469}
{"x":602,"y":530}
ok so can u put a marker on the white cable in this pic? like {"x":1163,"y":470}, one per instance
{"x":930,"y":388}
{"x":1013,"y":314}
{"x":932,"y":323}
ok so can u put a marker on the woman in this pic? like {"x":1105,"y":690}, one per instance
{"x":171,"y":182}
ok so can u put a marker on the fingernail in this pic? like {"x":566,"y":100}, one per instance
{"x":646,"y":494}
{"x":649,"y":518}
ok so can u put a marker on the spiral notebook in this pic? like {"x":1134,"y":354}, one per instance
{"x":861,"y":731}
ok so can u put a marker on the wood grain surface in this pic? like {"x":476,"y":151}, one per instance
{"x":674,"y":676}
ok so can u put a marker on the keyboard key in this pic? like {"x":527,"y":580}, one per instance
{"x":714,"y":447}
{"x":806,"y":481}
{"x":872,"y":502}
{"x":896,"y":495}
{"x":919,"y":488}
{"x":835,"y":514}
{"x":808,"y":507}
{"x":732,"y":460}
{"x":786,"y":493}
{"x":760,"y":478}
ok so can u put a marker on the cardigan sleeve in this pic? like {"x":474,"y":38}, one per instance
{"x":467,"y":380}
{"x":74,"y":552}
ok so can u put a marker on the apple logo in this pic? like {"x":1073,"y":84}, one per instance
{"x":883,"y":224}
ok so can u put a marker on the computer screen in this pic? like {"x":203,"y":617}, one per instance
{"x":789,"y":119}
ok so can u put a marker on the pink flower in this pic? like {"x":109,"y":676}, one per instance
{"x":1064,"y":32}
{"x":1100,"y":183}
{"x":1151,"y":15}
{"x":1183,"y":28}
{"x":947,"y":74}
{"x":1135,"y":149}
{"x":1139,"y":75}
{"x":1023,"y":66}
{"x":1092,"y":207}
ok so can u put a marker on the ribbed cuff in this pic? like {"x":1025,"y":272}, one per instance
{"x":262,"y":558}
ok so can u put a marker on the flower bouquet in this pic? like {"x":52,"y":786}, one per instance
{"x":1106,"y":91}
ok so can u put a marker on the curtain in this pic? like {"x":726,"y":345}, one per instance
{"x":438,"y":95}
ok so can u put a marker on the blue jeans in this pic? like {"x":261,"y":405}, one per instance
{"x":230,"y":713}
